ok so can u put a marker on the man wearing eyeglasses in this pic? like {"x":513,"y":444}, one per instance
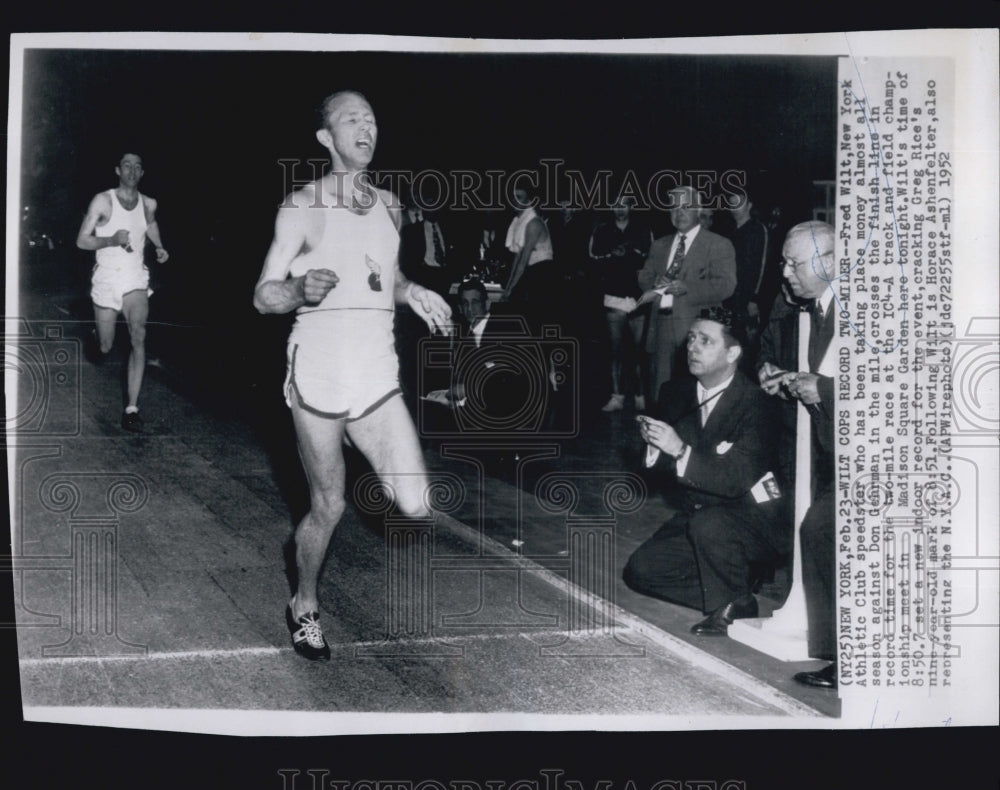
{"x":801,"y":373}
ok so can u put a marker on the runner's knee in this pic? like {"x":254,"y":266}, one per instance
{"x":137,"y":333}
{"x":411,"y":501}
{"x":413,"y":508}
{"x":328,"y":506}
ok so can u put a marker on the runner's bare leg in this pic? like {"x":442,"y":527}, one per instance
{"x":389,"y":441}
{"x":320,"y":448}
{"x":135,"y":308}
{"x":106,"y":320}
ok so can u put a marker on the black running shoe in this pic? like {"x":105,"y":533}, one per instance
{"x":307,"y":636}
{"x":131,"y":421}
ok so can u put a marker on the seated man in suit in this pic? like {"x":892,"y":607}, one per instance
{"x":490,"y":385}
{"x":717,"y":436}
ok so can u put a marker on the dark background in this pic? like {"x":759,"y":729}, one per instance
{"x":213,"y":124}
{"x":45,"y":756}
{"x":213,"y":128}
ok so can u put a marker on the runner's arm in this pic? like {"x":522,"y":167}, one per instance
{"x":427,"y":304}
{"x":276,"y":292}
{"x":100,"y":208}
{"x":153,"y":229}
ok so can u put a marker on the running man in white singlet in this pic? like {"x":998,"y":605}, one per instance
{"x":334,"y":261}
{"x":116,"y":227}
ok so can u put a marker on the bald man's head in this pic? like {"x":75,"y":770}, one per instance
{"x":349,"y":131}
{"x":330,"y":103}
{"x":808,"y":258}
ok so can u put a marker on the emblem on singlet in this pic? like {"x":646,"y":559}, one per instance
{"x":375,"y":278}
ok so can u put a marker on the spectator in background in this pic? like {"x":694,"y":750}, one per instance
{"x":494,"y":384}
{"x":619,"y":249}
{"x":500,"y":389}
{"x":533,"y":276}
{"x":570,"y":233}
{"x":684,"y":273}
{"x":705,"y":218}
{"x":423,"y":252}
{"x":411,"y":240}
{"x":798,"y":367}
{"x":750,"y":300}
{"x":581,"y":303}
{"x":492,"y":239}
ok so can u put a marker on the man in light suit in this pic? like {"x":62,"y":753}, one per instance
{"x":808,"y":266}
{"x":684,"y":273}
{"x":717,"y":436}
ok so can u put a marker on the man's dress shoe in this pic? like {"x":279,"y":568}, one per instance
{"x":825,"y":678}
{"x":718,"y":622}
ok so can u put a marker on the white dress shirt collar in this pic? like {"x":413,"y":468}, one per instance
{"x":689,"y":237}
{"x":824,"y":300}
{"x":704,"y":394}
{"x":478,"y":328}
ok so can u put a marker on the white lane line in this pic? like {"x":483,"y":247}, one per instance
{"x":397,"y":648}
{"x":154,"y":656}
{"x":621,"y":617}
{"x":337,"y":647}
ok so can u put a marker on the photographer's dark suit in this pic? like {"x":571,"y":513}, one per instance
{"x":701,"y":557}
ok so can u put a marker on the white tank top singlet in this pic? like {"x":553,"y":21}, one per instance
{"x":361,"y":249}
{"x":134,"y":221}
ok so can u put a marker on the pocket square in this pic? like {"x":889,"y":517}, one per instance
{"x":723,"y":448}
